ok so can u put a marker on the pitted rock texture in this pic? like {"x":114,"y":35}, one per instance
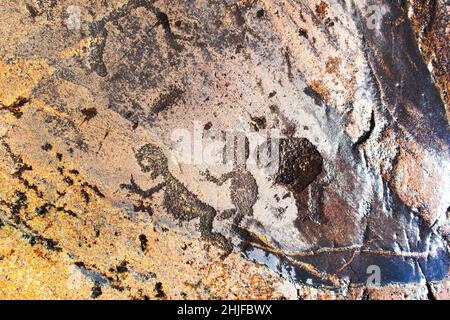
{"x":97,"y":200}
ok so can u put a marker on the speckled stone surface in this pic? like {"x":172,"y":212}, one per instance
{"x":98,"y":202}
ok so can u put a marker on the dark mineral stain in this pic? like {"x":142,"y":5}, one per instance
{"x":300,"y":163}
{"x":366,"y":135}
{"x":142,"y":207}
{"x":239,"y":48}
{"x":427,"y":13}
{"x":21,"y":168}
{"x":122,"y":267}
{"x":93,"y":188}
{"x":32,"y":235}
{"x":261,"y":122}
{"x":303,"y":33}
{"x":19,"y":203}
{"x":85,"y":196}
{"x":89,"y":113}
{"x":96,"y":291}
{"x":287,"y":57}
{"x":167,"y":99}
{"x":60,"y":193}
{"x":68,"y":180}
{"x":207,"y":126}
{"x":430,"y":294}
{"x":42,"y":210}
{"x":317,"y":96}
{"x":289,"y":127}
{"x":163,"y":20}
{"x":74,"y":172}
{"x":239,"y":18}
{"x":159,"y":291}
{"x":66,"y":211}
{"x":144,"y":242}
{"x":260,"y":13}
{"x":50,"y":244}
{"x":32,"y":11}
{"x":103,"y":140}
{"x":328,"y":22}
{"x":16,"y":107}
{"x":47,"y":147}
{"x":365,"y":294}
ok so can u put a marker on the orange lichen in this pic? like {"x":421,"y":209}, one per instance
{"x":321,"y":10}
{"x":18,"y":77}
{"x":80,"y":50}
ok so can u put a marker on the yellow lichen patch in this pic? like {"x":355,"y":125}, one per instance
{"x":319,"y":87}
{"x":32,"y":272}
{"x":18,"y":77}
{"x":39,"y":105}
{"x":80,"y":50}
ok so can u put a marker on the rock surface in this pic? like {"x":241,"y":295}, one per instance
{"x":101,"y":199}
